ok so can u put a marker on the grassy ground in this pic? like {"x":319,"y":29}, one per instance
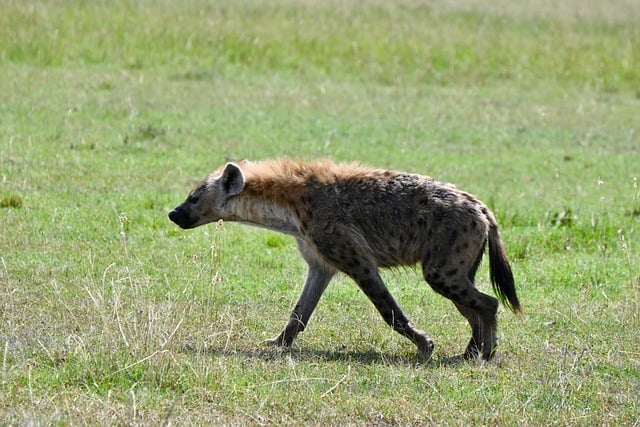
{"x":110,"y":111}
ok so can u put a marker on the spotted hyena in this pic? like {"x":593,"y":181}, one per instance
{"x":353,"y":219}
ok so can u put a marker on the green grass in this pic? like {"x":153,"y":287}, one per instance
{"x":110,"y":111}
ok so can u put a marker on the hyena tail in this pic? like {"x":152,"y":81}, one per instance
{"x":500,"y":272}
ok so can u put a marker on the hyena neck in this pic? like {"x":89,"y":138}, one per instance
{"x":248,"y":209}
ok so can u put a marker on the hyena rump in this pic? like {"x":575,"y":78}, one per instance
{"x":354,"y":219}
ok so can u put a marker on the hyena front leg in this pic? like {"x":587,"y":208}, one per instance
{"x":318,"y":277}
{"x":316,"y":283}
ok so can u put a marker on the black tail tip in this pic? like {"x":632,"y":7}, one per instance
{"x":512,"y":303}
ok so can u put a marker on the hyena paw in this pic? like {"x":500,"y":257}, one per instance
{"x":472,"y":351}
{"x":425,"y":348}
{"x":489,"y":352}
{"x":280,"y":341}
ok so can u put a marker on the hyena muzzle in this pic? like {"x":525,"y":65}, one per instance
{"x":352,"y":219}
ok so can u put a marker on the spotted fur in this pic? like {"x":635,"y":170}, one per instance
{"x":353,"y":219}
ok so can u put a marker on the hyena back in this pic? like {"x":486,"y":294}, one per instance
{"x":352,"y":219}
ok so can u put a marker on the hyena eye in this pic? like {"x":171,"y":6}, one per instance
{"x":193,"y":200}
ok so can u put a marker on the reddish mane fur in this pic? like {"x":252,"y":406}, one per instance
{"x":284,"y":181}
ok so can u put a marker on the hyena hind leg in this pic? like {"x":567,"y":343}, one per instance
{"x":479,"y":309}
{"x":475,"y":344}
{"x":375,"y":289}
{"x":350,"y":258}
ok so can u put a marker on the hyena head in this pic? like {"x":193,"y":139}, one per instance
{"x":208,"y":201}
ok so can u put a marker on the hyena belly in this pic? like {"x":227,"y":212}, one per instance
{"x":404,"y":220}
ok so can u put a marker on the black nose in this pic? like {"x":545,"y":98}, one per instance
{"x":173,"y":215}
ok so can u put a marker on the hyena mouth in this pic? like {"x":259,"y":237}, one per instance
{"x":181,"y":218}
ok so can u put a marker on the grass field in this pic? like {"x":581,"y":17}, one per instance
{"x":110,"y":111}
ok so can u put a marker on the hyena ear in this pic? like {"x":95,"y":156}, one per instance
{"x":232,"y":179}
